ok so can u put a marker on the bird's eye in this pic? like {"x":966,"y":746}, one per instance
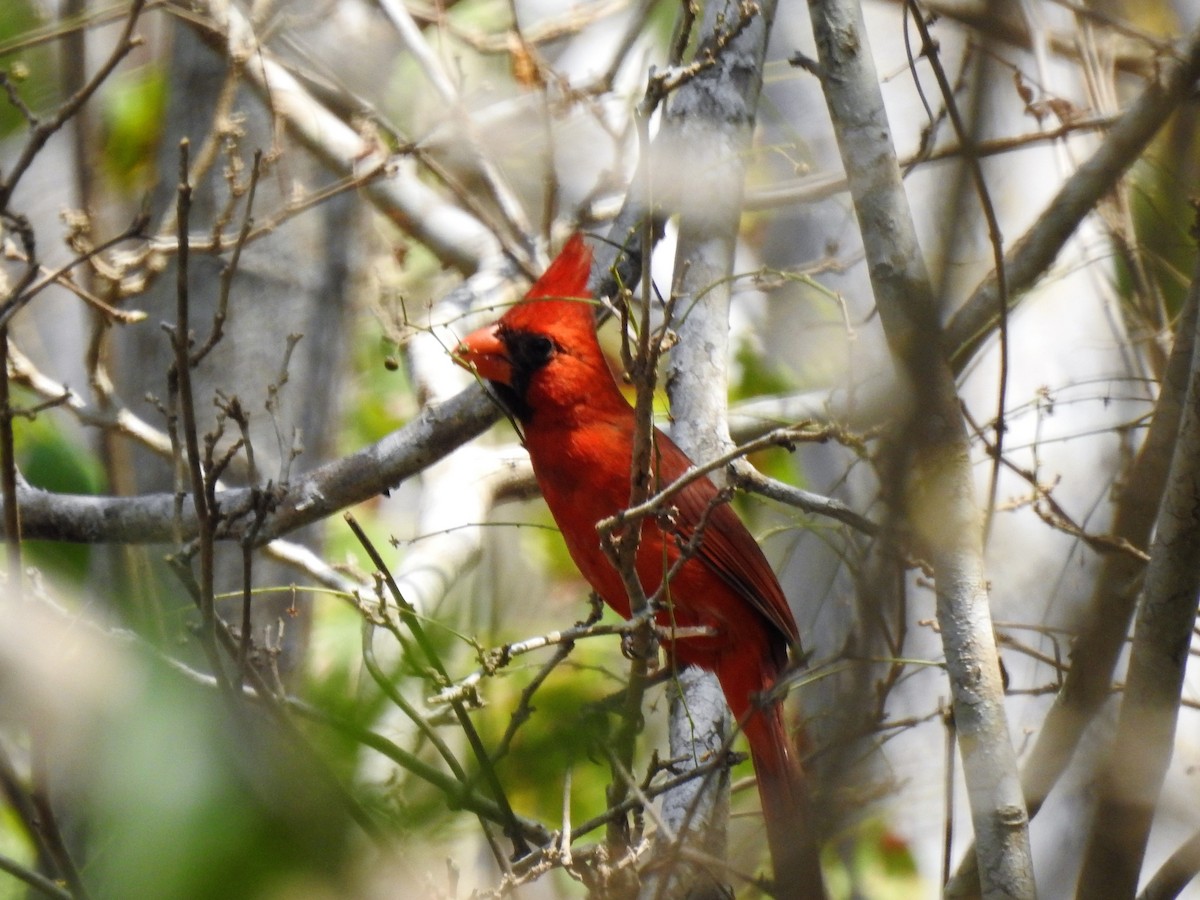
{"x":530,"y":351}
{"x":540,"y":348}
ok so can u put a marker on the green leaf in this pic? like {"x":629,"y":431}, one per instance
{"x":132,"y":115}
{"x":50,"y":460}
{"x":31,"y":72}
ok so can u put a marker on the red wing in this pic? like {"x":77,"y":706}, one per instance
{"x":726,"y":547}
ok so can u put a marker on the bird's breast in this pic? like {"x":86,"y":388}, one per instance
{"x":584,"y":475}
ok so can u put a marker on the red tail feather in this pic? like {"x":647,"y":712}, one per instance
{"x":745,"y":678}
{"x":785,"y":807}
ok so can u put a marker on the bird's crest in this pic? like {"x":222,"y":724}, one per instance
{"x":560,"y":294}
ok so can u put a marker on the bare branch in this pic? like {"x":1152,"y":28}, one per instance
{"x":1176,"y":873}
{"x":452,"y":234}
{"x":940,"y":505}
{"x":44,"y":130}
{"x":1033,"y":254}
{"x":1145,"y":740}
{"x":1098,"y":646}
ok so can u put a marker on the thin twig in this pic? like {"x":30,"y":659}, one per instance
{"x":966,"y":140}
{"x":948,"y":755}
{"x":8,"y":476}
{"x":654,"y":504}
{"x":230,"y":268}
{"x":39,"y":819}
{"x":44,"y":130}
{"x":19,"y":299}
{"x":35,"y":880}
{"x":387,"y":685}
{"x":181,"y":380}
{"x":408,"y":614}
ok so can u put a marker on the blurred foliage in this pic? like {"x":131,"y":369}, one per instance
{"x":53,"y":461}
{"x":759,"y":374}
{"x":28,"y":70}
{"x":550,"y":551}
{"x":190,"y":798}
{"x":333,"y":675}
{"x":1161,"y":186}
{"x":873,"y":863}
{"x":380,"y":399}
{"x":14,"y":844}
{"x":132,"y":113}
{"x":1163,"y":211}
{"x":567,"y":730}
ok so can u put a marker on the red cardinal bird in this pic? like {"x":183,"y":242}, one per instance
{"x":547,"y":367}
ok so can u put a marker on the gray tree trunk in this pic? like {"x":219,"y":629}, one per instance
{"x":294,"y":280}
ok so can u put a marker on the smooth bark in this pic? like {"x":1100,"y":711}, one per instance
{"x":1166,"y":615}
{"x":932,"y":471}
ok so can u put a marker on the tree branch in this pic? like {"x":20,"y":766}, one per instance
{"x":1097,"y":648}
{"x":933,"y":480}
{"x":1029,"y":258}
{"x":1145,"y":740}
{"x":705,"y":137}
{"x":454,"y":235}
{"x":373,"y":470}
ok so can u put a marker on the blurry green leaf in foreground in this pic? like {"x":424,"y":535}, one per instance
{"x":133,"y":113}
{"x":178,"y":793}
{"x":49,"y":460}
{"x":875,"y":863}
{"x":27,"y":70}
{"x":566,"y":731}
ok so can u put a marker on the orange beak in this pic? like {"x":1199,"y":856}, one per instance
{"x":483,"y":351}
